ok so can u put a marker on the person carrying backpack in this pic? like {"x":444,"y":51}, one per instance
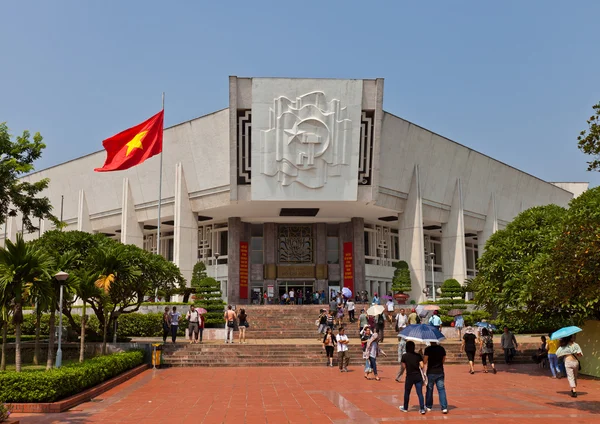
{"x":486,"y":344}
{"x":379,"y":325}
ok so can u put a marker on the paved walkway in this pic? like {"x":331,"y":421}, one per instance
{"x":522,"y":394}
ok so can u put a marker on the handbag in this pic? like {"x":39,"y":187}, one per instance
{"x":230,"y":324}
{"x":317,"y":322}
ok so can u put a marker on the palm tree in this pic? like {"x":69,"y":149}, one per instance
{"x":23,"y":270}
{"x":85,"y":288}
{"x":4,"y":314}
{"x":113,"y":267}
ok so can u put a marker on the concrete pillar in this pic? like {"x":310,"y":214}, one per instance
{"x":131,"y":229}
{"x":358,"y":253}
{"x":185,"y":249}
{"x":270,"y":256}
{"x":454,"y":257}
{"x":11,"y":228}
{"x":489,"y":227}
{"x":83,"y":214}
{"x":321,"y":282}
{"x":410,"y":234}
{"x":235,"y":230}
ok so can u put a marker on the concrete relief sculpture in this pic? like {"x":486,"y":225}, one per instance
{"x":309,"y":140}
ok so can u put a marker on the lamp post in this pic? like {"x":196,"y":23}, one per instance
{"x":432,"y":256}
{"x":60,"y":277}
{"x":216,"y":264}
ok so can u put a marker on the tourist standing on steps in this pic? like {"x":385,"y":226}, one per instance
{"x":174,"y":323}
{"x":379,"y":325}
{"x":363,"y":320}
{"x":330,"y":319}
{"x":571,"y":351}
{"x":486,"y":343}
{"x":201,"y":326}
{"x":401,"y":320}
{"x":468,"y":347}
{"x":230,"y":318}
{"x":459,"y":323}
{"x":413,"y":318}
{"x":350,"y":307}
{"x":292,"y":297}
{"x":328,"y":345}
{"x":243,"y":325}
{"x":340,"y":315}
{"x":376,"y":300}
{"x":389,"y":306}
{"x":342,"y":350}
{"x":414,"y":376}
{"x":435,"y":356}
{"x":193,"y":318}
{"x":166,"y":324}
{"x":436,"y":321}
{"x":509,"y":344}
{"x":401,"y":352}
{"x":372,"y":351}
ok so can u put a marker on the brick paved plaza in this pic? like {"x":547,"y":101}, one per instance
{"x":523,"y":394}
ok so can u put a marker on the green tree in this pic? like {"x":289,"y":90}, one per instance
{"x":567,"y":276}
{"x":451,"y":288}
{"x":19,"y":196}
{"x":209,"y":297}
{"x":85,"y":288}
{"x":589,"y":140}
{"x":503,"y":282}
{"x":22,"y":270}
{"x":401,"y":281}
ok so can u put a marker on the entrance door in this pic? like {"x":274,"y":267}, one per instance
{"x":302,"y":290}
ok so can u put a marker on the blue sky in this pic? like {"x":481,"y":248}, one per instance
{"x":514,"y":79}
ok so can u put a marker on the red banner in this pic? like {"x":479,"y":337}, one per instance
{"x":243,"y":270}
{"x":348,"y":266}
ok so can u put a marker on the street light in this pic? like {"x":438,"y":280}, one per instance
{"x":432,"y":256}
{"x":60,"y":277}
{"x":216,"y":263}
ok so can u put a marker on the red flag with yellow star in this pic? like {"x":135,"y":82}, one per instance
{"x":134,"y":145}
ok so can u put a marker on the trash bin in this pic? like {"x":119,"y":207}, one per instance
{"x":156,"y":354}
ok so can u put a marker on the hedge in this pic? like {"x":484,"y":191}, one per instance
{"x":59,"y":383}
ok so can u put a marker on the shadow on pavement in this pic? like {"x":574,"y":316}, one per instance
{"x":586,"y":406}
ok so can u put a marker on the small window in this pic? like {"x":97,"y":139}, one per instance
{"x":256,"y":247}
{"x":333,"y":250}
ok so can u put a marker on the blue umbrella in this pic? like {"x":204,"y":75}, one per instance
{"x":347,"y":292}
{"x":422,"y":333}
{"x":565,"y":332}
{"x":485,"y":325}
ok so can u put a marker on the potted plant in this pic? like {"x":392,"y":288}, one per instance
{"x":401,"y":283}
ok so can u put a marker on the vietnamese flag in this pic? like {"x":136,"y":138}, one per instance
{"x":134,"y":145}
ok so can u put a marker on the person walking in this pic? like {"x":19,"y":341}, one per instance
{"x":230,"y":318}
{"x":459,"y":323}
{"x":372,"y":351}
{"x":340,"y":315}
{"x":401,"y":320}
{"x":376,"y":300}
{"x":322,"y":322}
{"x":243,"y":325}
{"x":329,"y":341}
{"x":350,"y":308}
{"x":175,"y":316}
{"x":379,"y":326}
{"x":414,"y":376}
{"x":342,"y":350}
{"x":300,"y":297}
{"x":435,"y":320}
{"x":389,"y":306}
{"x":166,"y":324}
{"x":552,"y":358}
{"x":365,"y":335}
{"x":193,"y":318}
{"x":571,"y":352}
{"x":330,"y":319}
{"x":292,"y":295}
{"x":434,"y":358}
{"x":509,"y":344}
{"x":401,"y":352}
{"x":201,"y":326}
{"x":486,"y":344}
{"x":413,"y":318}
{"x":363,"y":320}
{"x":468,"y":347}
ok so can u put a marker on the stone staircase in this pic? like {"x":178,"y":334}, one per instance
{"x":295,"y":327}
{"x":300,"y":354}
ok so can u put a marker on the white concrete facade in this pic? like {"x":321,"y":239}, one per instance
{"x":309,"y":161}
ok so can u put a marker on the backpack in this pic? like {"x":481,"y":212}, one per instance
{"x":380,"y":320}
{"x":489,"y":343}
{"x":418,"y":319}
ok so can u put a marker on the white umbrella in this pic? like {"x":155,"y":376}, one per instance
{"x":375,"y":310}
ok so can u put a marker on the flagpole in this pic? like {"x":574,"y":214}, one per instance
{"x":160,"y":184}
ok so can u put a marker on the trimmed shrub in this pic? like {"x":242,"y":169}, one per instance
{"x":59,"y":383}
{"x":451,"y":288}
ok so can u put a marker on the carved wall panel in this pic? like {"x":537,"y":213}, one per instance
{"x":306,"y":139}
{"x":244,"y":143}
{"x":365,"y":162}
{"x":296,"y":244}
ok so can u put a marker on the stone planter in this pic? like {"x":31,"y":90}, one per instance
{"x":401,"y":298}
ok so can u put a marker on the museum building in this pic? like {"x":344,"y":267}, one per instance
{"x":306,"y":184}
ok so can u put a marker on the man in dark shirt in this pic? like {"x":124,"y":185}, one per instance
{"x":434,"y":358}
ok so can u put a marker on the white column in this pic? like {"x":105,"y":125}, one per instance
{"x":83,"y":214}
{"x":185,"y":252}
{"x":454,"y":258}
{"x":410,"y":234}
{"x":11,"y":228}
{"x":489,"y":227}
{"x":131,"y":229}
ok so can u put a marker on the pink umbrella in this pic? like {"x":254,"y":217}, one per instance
{"x":201,"y":310}
{"x":430,"y":307}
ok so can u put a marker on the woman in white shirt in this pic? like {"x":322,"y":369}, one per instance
{"x":570,"y":351}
